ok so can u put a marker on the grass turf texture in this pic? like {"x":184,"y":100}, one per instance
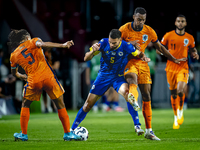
{"x":106,"y":131}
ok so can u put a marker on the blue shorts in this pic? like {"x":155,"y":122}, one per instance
{"x":104,"y":82}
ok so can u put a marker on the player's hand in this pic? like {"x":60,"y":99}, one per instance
{"x":136,"y":44}
{"x":23,"y":77}
{"x":146,"y":59}
{"x":195,"y":55}
{"x":143,"y":57}
{"x":177,"y":61}
{"x":68,"y":44}
{"x":96,"y":47}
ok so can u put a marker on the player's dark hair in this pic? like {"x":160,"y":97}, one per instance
{"x":115,"y":33}
{"x":140,"y":10}
{"x":180,"y":15}
{"x":16,"y":36}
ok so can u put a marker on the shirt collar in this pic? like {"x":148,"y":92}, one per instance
{"x":134,"y":28}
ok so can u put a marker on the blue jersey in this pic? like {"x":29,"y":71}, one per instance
{"x":114,"y":61}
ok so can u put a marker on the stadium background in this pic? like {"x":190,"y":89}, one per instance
{"x":84,"y":21}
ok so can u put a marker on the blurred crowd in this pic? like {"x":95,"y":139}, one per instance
{"x":83,"y":21}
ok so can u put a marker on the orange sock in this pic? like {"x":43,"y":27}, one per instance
{"x":147,"y":113}
{"x":174,"y":103}
{"x":24,"y":118}
{"x":181,"y":101}
{"x":133,"y":90}
{"x":64,"y":118}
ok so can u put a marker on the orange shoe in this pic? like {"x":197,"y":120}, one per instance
{"x":180,"y":120}
{"x":176,"y":126}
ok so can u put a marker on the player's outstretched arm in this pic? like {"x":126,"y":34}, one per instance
{"x":89,"y":55}
{"x":19,"y":75}
{"x":42,"y":44}
{"x":166,"y":53}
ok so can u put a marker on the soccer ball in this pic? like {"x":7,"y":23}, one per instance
{"x":82,"y":132}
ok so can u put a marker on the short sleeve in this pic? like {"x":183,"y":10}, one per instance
{"x":130,"y":49}
{"x":102,"y":42}
{"x":13,"y":62}
{"x":154,"y":37}
{"x":35,"y":40}
{"x":192,"y":44}
{"x":164,"y":40}
{"x":122,"y":29}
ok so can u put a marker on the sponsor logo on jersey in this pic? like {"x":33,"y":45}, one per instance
{"x":113,"y":53}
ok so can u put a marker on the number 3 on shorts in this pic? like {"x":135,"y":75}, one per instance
{"x":26,"y":55}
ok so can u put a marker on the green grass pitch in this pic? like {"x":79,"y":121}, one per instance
{"x":110,"y":131}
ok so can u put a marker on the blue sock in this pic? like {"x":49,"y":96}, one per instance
{"x":79,"y":118}
{"x":96,"y":103}
{"x":134,"y":114}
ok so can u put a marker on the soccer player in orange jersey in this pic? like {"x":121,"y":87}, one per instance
{"x":179,"y":43}
{"x":137,"y":71}
{"x":39,"y":76}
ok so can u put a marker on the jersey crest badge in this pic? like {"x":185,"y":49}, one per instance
{"x":120,"y":53}
{"x":144,"y":37}
{"x":126,"y":70}
{"x":186,"y":41}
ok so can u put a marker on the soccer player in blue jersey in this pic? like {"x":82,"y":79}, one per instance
{"x":113,"y":61}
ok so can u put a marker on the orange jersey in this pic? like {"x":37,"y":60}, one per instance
{"x":145,"y":35}
{"x":178,"y":46}
{"x":31,"y":59}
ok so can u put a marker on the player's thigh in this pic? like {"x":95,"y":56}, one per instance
{"x":172,"y":80}
{"x":53,"y":87}
{"x":123,"y":90}
{"x":115,"y":95}
{"x":101,"y":85}
{"x":145,"y":90}
{"x":32,"y":91}
{"x":90,"y":101}
{"x":182,"y":80}
{"x":144,"y":76}
{"x":131,"y":72}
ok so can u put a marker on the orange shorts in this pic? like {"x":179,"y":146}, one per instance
{"x":33,"y":90}
{"x":174,"y":78}
{"x":141,"y":69}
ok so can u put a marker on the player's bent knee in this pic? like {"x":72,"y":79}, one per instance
{"x":146,"y":97}
{"x":180,"y":93}
{"x":26,"y":103}
{"x":131,"y":78}
{"x":174,"y":96}
{"x":87,"y":107}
